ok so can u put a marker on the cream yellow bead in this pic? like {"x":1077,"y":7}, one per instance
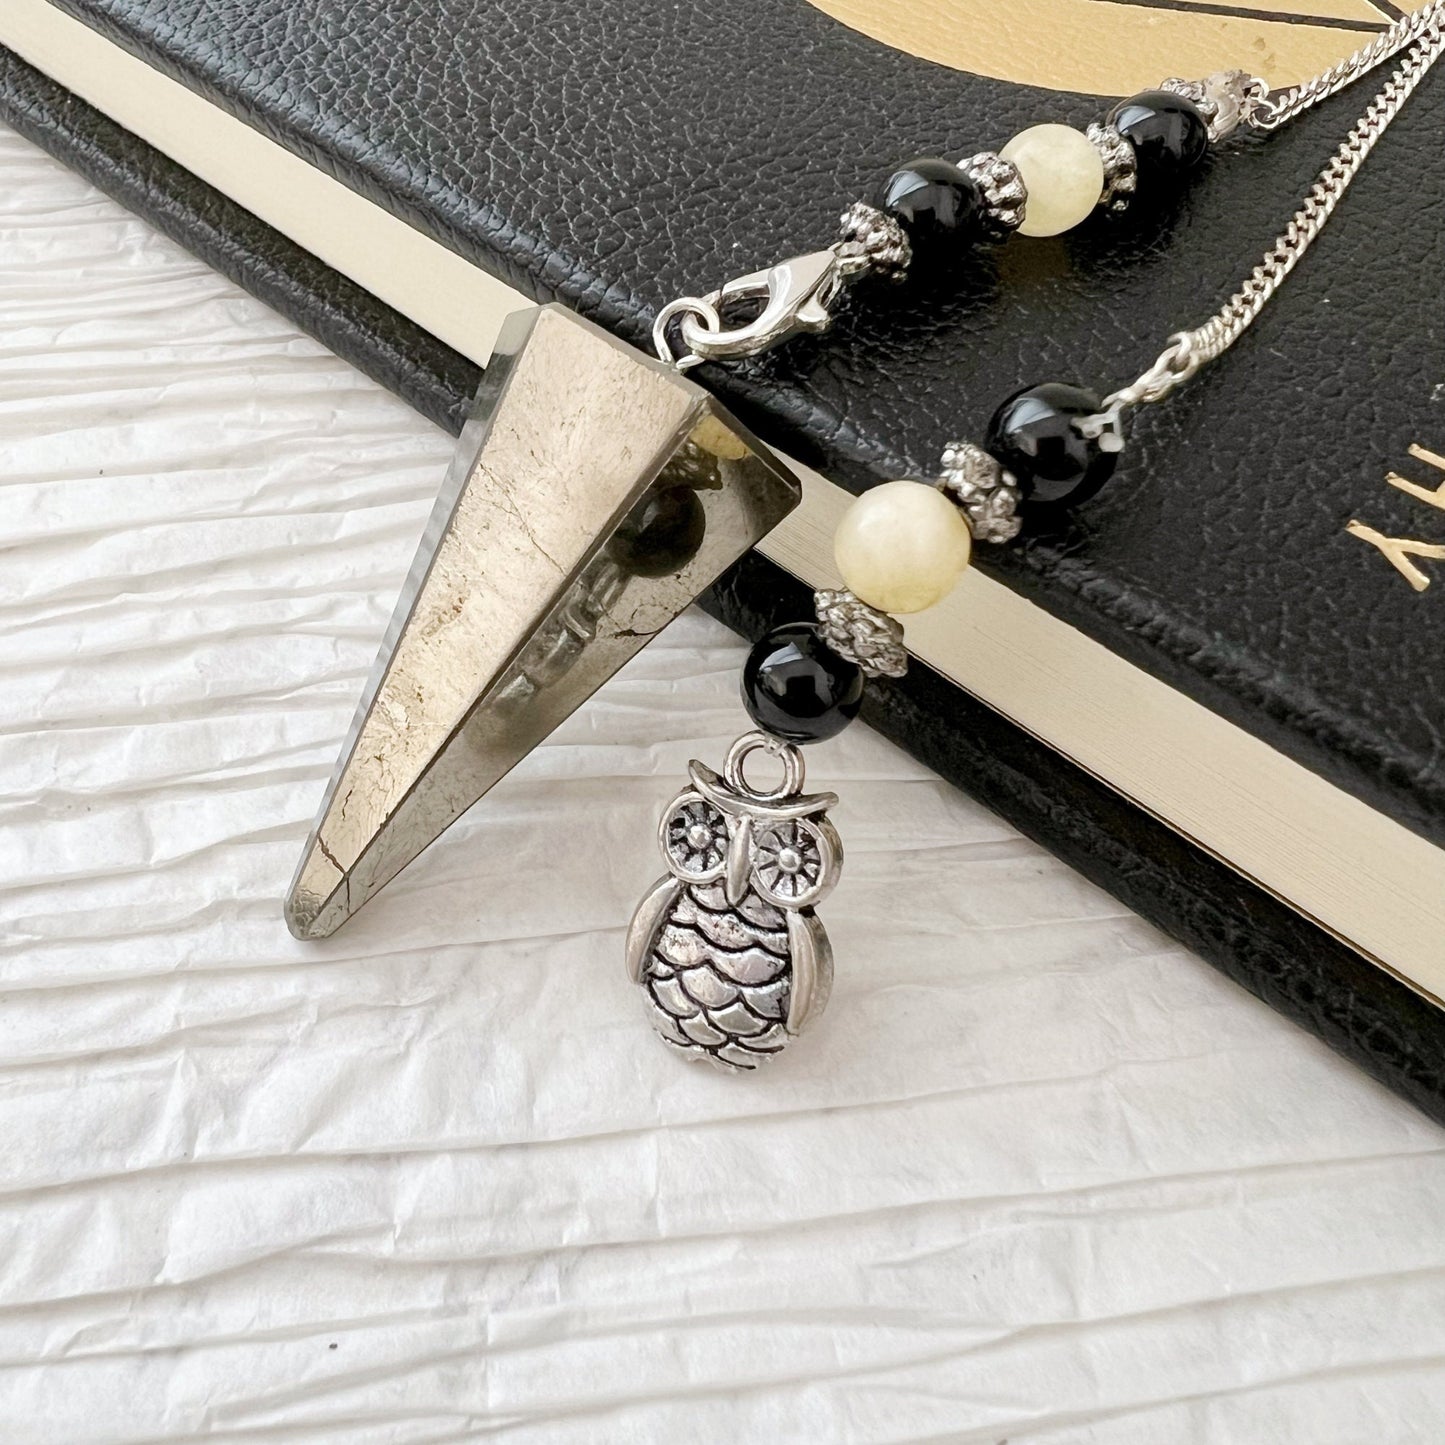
{"x":901,"y":546}
{"x":1064,"y":174}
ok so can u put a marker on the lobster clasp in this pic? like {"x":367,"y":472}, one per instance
{"x":795,"y":296}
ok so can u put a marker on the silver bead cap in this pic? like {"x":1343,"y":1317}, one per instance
{"x":1121,"y":169}
{"x":1225,"y":99}
{"x":1005,"y":197}
{"x":872,"y":241}
{"x":981,"y":488}
{"x":861,"y":634}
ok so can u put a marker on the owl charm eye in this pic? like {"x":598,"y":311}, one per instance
{"x":695,"y":840}
{"x":794,"y":862}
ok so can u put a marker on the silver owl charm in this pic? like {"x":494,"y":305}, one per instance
{"x":726,"y":947}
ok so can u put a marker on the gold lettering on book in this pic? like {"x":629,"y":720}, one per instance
{"x":1436,"y":496}
{"x":1399,"y":550}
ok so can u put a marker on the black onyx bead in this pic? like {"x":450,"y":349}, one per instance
{"x":932,"y":199}
{"x":1169,"y":135}
{"x":661,"y":535}
{"x":797,"y":688}
{"x":1035,"y":436}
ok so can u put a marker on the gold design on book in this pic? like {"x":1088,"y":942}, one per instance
{"x":1116,"y":48}
{"x":1434,"y":497}
{"x":1399,"y":550}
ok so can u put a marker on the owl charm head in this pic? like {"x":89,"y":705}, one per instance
{"x":777,"y":842}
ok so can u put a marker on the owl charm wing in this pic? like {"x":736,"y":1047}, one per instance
{"x":651,"y":914}
{"x":812,"y":959}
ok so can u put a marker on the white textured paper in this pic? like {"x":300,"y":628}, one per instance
{"x":1041,"y":1176}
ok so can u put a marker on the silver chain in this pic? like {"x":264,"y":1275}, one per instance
{"x":798,"y":294}
{"x":1273,"y":111}
{"x":1188,"y":351}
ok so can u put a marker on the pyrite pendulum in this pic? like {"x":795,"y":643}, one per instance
{"x":595,"y":493}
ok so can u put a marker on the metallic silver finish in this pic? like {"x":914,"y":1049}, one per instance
{"x":700,"y":311}
{"x":1121,"y":169}
{"x":988,"y":495}
{"x":727,"y":948}
{"x":861,"y":633}
{"x":1189,"y":351}
{"x":787,"y":798}
{"x":1005,"y":197}
{"x":649,"y":918}
{"x":1225,"y":99}
{"x":812,"y":969}
{"x":753,"y":313}
{"x":1271,"y":111}
{"x":872,"y":241}
{"x":783,"y":300}
{"x":516,"y":609}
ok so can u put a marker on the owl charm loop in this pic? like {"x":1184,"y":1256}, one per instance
{"x":727,"y":948}
{"x":759,"y":742}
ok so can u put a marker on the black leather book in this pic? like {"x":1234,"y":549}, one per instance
{"x":1209,"y":691}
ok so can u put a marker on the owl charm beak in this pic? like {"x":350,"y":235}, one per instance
{"x":594,"y":494}
{"x":740,"y":861}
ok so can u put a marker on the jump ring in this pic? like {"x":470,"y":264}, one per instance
{"x":684,"y":305}
{"x":755,"y":742}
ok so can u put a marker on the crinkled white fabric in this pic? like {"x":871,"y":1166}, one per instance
{"x":1041,"y":1176}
